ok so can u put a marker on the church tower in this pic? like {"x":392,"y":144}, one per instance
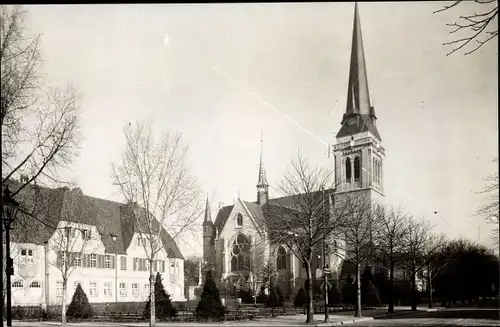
{"x":208,"y":236}
{"x":262,"y":185}
{"x":358,"y":153}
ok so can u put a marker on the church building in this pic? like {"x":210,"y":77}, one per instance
{"x":358,"y":158}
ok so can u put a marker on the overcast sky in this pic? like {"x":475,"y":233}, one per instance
{"x":193,"y":69}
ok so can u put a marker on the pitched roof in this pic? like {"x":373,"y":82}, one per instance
{"x":262,"y":213}
{"x":42,"y":208}
{"x":362,"y":123}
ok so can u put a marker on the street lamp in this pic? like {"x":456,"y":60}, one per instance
{"x":325,"y":265}
{"x":9,"y":211}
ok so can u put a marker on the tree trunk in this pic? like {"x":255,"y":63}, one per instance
{"x":63,"y":305}
{"x":391,"y":291}
{"x":429,"y":286}
{"x":413,"y":290}
{"x":152,"y":320}
{"x":357,"y":312}
{"x":309,"y":290}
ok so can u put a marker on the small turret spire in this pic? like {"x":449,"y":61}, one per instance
{"x":208,"y":217}
{"x":262,"y":185}
{"x":262,"y":171}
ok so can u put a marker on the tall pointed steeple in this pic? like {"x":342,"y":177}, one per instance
{"x":262,"y":185}
{"x":208,"y":216}
{"x":358,"y":97}
{"x":359,"y":116}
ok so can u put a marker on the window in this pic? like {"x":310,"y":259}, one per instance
{"x":107,"y":261}
{"x":123,"y":263}
{"x":135,"y":264}
{"x":59,"y":289}
{"x":67,"y":232}
{"x":123,"y":289}
{"x":146,"y":290}
{"x":93,"y":289}
{"x":93,"y":260}
{"x":35,"y":284}
{"x":107,"y":289}
{"x":135,"y":290}
{"x":348,"y":173}
{"x":281,"y":258}
{"x":239,"y":220}
{"x":357,"y":168}
{"x":162,"y":266}
{"x":141,"y":241}
{"x":26,"y":256}
{"x":86,"y":234}
{"x":77,"y":261}
{"x":240,"y":253}
{"x":146,"y":265}
{"x":17,"y":284}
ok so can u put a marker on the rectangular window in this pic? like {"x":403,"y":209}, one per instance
{"x":107,"y":289}
{"x":59,"y":289}
{"x":146,"y":264}
{"x":93,"y":260}
{"x":107,"y":261}
{"x":162,"y":266}
{"x":135,"y":264}
{"x":141,"y":241}
{"x":86,"y":234}
{"x":123,"y":263}
{"x":26,"y":256}
{"x":123,"y":289}
{"x":146,"y":290}
{"x":67,"y":232}
{"x":93,"y":289}
{"x":78,"y":261}
{"x":135,"y":290}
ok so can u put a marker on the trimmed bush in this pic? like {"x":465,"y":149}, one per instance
{"x":275,"y":298}
{"x":334,"y":297}
{"x":246,"y":296}
{"x":163,"y":303}
{"x":197,"y":292}
{"x":300,"y":300}
{"x":349,"y":291}
{"x":210,"y":306}
{"x":369,"y":293}
{"x":80,"y":306}
{"x":262,"y":296}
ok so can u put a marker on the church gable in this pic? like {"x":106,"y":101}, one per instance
{"x":237,"y":218}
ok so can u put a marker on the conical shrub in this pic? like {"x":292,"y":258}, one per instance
{"x":163,"y":304}
{"x":210,"y":305}
{"x":80,"y":306}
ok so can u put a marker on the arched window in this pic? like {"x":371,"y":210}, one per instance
{"x":35,"y":284}
{"x":281,"y":258}
{"x":240,"y":254}
{"x":348,"y":173}
{"x":239,"y":220}
{"x":357,"y":168}
{"x":17,"y":284}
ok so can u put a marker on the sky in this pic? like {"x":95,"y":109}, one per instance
{"x":221,"y":73}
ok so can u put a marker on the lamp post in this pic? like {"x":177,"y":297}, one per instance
{"x":325,"y":265}
{"x":9,"y":211}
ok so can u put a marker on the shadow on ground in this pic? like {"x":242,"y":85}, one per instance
{"x":455,"y":313}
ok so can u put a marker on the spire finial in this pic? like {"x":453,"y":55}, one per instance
{"x":358,"y":100}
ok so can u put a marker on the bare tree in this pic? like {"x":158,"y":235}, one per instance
{"x":490,"y":210}
{"x":259,"y":268}
{"x":420,"y":244}
{"x":389,"y":236}
{"x":153,"y":174}
{"x":74,"y":245}
{"x":39,"y":124}
{"x":480,"y":26}
{"x":359,"y":231}
{"x":304,"y":219}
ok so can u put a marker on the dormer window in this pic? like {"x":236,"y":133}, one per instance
{"x":141,"y":241}
{"x":239,"y":220}
{"x":86,"y":234}
{"x":113,"y":237}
